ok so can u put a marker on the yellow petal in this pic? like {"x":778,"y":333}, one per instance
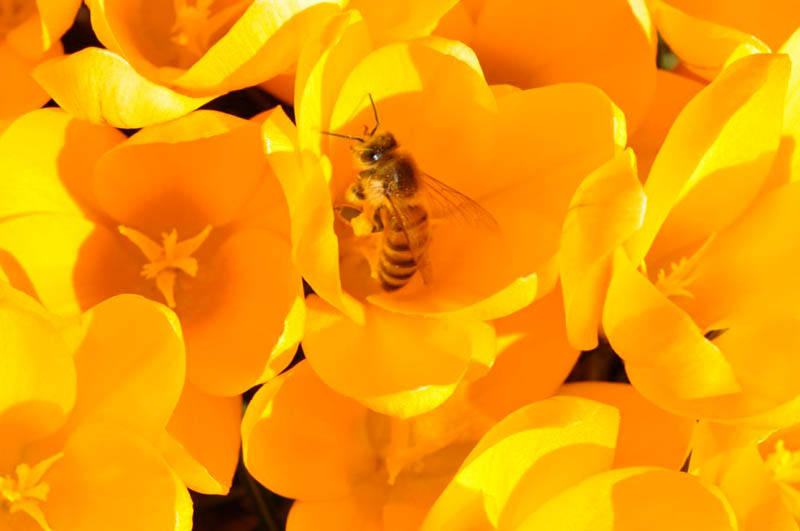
{"x":635,"y":498}
{"x":38,"y":377}
{"x":533,"y":359}
{"x":402,"y":21}
{"x":130,"y":365}
{"x":673,"y":92}
{"x":109,"y":476}
{"x":395,"y":364}
{"x":609,"y":44}
{"x":202,"y":440}
{"x":771,"y":21}
{"x":302,"y":440}
{"x":544,"y":447}
{"x":715,"y":158}
{"x":47,"y":158}
{"x":607,"y":207}
{"x":648,"y":435}
{"x":99,"y":86}
{"x":703,"y":46}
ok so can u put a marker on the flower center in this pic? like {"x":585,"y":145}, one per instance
{"x":784,"y":464}
{"x":197,"y":23}
{"x":27,"y":490}
{"x":13,"y":13}
{"x":682,"y":273}
{"x":167,"y":259}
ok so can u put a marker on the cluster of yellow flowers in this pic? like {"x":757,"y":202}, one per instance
{"x":149,"y":279}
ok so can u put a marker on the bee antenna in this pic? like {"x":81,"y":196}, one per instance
{"x":356,"y":138}
{"x":374,"y":113}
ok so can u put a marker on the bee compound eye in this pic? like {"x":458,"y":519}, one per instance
{"x":369,"y":156}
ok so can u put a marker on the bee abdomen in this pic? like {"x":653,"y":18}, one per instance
{"x":397,"y":266}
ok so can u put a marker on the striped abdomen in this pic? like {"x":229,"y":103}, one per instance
{"x":397,"y":263}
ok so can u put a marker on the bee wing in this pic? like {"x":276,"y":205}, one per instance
{"x":415,"y":244}
{"x":445,"y":201}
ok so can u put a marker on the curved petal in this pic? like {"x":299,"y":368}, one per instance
{"x":38,"y":378}
{"x":673,"y":92}
{"x":402,"y":21}
{"x":19,"y":93}
{"x":47,"y":158}
{"x":67,"y":262}
{"x":703,"y":46}
{"x":302,"y":440}
{"x":195,"y":171}
{"x":771,"y":21}
{"x":397,"y":365}
{"x":130,"y":366}
{"x":606,"y":209}
{"x":246,"y":301}
{"x":634,"y":498}
{"x":202,"y":440}
{"x":101,"y":87}
{"x":260,"y":43}
{"x":791,"y":116}
{"x":610,"y":44}
{"x":108,"y":475}
{"x":361,"y":511}
{"x":715,"y":158}
{"x":648,"y":435}
{"x":57,"y":16}
{"x":303,"y":178}
{"x":533,"y":360}
{"x":543,"y":448}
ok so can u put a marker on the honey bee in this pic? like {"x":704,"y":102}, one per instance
{"x":400,"y":201}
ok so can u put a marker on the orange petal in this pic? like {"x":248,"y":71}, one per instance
{"x":634,"y":498}
{"x":673,"y":92}
{"x":110,"y":475}
{"x":130,"y":365}
{"x":99,"y":86}
{"x":606,"y":209}
{"x":661,"y":346}
{"x":533,"y":359}
{"x":397,"y":365}
{"x":771,"y":21}
{"x":202,"y":440}
{"x":261,"y":43}
{"x":715,"y":158}
{"x":302,"y":440}
{"x":303,"y":178}
{"x":44,"y":253}
{"x":38,"y":376}
{"x":362,"y":510}
{"x":543,"y":448}
{"x":195,"y":171}
{"x":47,"y":158}
{"x":648,"y":435}
{"x":403,"y":21}
{"x":703,"y":46}
{"x":609,"y":44}
{"x":57,"y":17}
{"x":247,"y":301}
{"x":19,"y":93}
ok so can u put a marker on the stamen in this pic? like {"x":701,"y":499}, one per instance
{"x":26,"y":491}
{"x":784,"y":464}
{"x":167,"y":259}
{"x":682,"y":274}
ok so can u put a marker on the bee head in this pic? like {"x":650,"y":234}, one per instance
{"x":375,"y":147}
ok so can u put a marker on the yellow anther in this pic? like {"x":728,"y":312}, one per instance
{"x":784,"y":464}
{"x":682,"y":274}
{"x":27,"y":491}
{"x":167,"y":259}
